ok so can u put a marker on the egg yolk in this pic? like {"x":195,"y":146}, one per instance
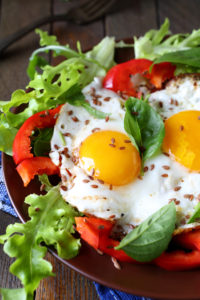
{"x":110,"y":156}
{"x":182,"y":138}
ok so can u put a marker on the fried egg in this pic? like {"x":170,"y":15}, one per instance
{"x":100,"y":168}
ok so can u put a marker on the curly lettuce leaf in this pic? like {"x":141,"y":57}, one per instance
{"x":17,"y":294}
{"x":51,"y":222}
{"x":154,"y":43}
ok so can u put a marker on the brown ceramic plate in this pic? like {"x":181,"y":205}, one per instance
{"x":141,"y":280}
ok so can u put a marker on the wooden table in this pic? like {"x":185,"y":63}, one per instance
{"x":129,"y":17}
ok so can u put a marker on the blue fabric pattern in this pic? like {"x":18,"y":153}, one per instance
{"x":103,"y":292}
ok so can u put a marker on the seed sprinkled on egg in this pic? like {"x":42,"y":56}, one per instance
{"x":75,"y":119}
{"x":113,"y":140}
{"x":160,"y":104}
{"x":189,"y":196}
{"x":86,"y":180}
{"x":63,"y":187}
{"x":70,"y":112}
{"x":95,"y":129}
{"x":164,"y":175}
{"x":122,"y":148}
{"x":166,"y":167}
{"x":127,"y":141}
{"x":107,"y":99}
{"x":94,"y":186}
{"x":177,"y":188}
{"x":181,"y":128}
{"x":152,"y":167}
{"x":112,"y":145}
{"x":87,"y":122}
{"x":100,"y":181}
{"x":146,"y":168}
{"x":107,"y":118}
{"x":68,"y":172}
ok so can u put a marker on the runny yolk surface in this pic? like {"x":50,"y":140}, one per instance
{"x":110,"y":156}
{"x":182,"y":138}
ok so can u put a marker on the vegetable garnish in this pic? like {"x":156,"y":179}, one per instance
{"x":144,"y":127}
{"x":51,"y":222}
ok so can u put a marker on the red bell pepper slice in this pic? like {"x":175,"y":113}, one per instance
{"x":161,"y":72}
{"x":118,"y":77}
{"x":22,"y":142}
{"x":95,"y":231}
{"x":178,"y":260}
{"x":188,"y":240}
{"x":30,"y":167}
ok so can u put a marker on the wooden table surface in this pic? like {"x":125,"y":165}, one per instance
{"x":128,"y":18}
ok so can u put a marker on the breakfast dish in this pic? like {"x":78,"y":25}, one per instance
{"x":123,"y":141}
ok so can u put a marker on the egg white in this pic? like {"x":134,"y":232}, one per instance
{"x":164,"y":180}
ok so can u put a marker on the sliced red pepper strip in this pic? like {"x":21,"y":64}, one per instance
{"x":30,"y":167}
{"x":161,"y":72}
{"x":118,"y":77}
{"x":22,"y":142}
{"x":188,"y":240}
{"x":95,"y":231}
{"x":92,"y":228}
{"x":178,"y":260}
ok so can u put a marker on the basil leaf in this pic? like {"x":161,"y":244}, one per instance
{"x":151,"y":238}
{"x":196,"y":215}
{"x":188,"y":57}
{"x":144,"y":126}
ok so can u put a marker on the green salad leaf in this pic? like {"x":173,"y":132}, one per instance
{"x":154,"y":43}
{"x":41,"y":142}
{"x":196,"y":215}
{"x":144,"y":127}
{"x":17,"y":294}
{"x":151,"y":237}
{"x":51,"y":222}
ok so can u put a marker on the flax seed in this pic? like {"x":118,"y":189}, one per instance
{"x":115,"y":263}
{"x":67,"y":134}
{"x":93,"y":171}
{"x":164,"y":175}
{"x":110,"y":187}
{"x":172,"y":199}
{"x":75,"y":119}
{"x":177,"y":188}
{"x":90,"y":177}
{"x":177,"y":202}
{"x":160,"y":104}
{"x":122,"y":148}
{"x":181,"y":128}
{"x":166,"y":154}
{"x":95,"y":129}
{"x":56,"y":147}
{"x":87,"y":122}
{"x":100,"y":181}
{"x":107,"y":99}
{"x":112,"y":145}
{"x":86,"y":180}
{"x":127,"y":141}
{"x":146,"y":169}
{"x":68,"y":172}
{"x":107,"y":118}
{"x":189,"y":196}
{"x":94,"y":186}
{"x":198,"y":117}
{"x":42,"y":187}
{"x":63,"y":187}
{"x":152,"y":167}
{"x":166,"y":167}
{"x":70,"y":112}
{"x":112,"y":140}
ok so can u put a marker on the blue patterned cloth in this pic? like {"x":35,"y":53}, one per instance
{"x":103,"y":292}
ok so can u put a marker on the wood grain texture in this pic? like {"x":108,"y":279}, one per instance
{"x":183,"y":14}
{"x":131,"y":17}
{"x":6,"y":279}
{"x":15,"y":15}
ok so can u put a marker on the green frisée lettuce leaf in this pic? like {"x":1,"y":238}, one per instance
{"x":17,"y":294}
{"x":98,"y":60}
{"x":7,"y":135}
{"x":51,"y":221}
{"x":154,"y":43}
{"x":144,"y":126}
{"x":151,"y":237}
